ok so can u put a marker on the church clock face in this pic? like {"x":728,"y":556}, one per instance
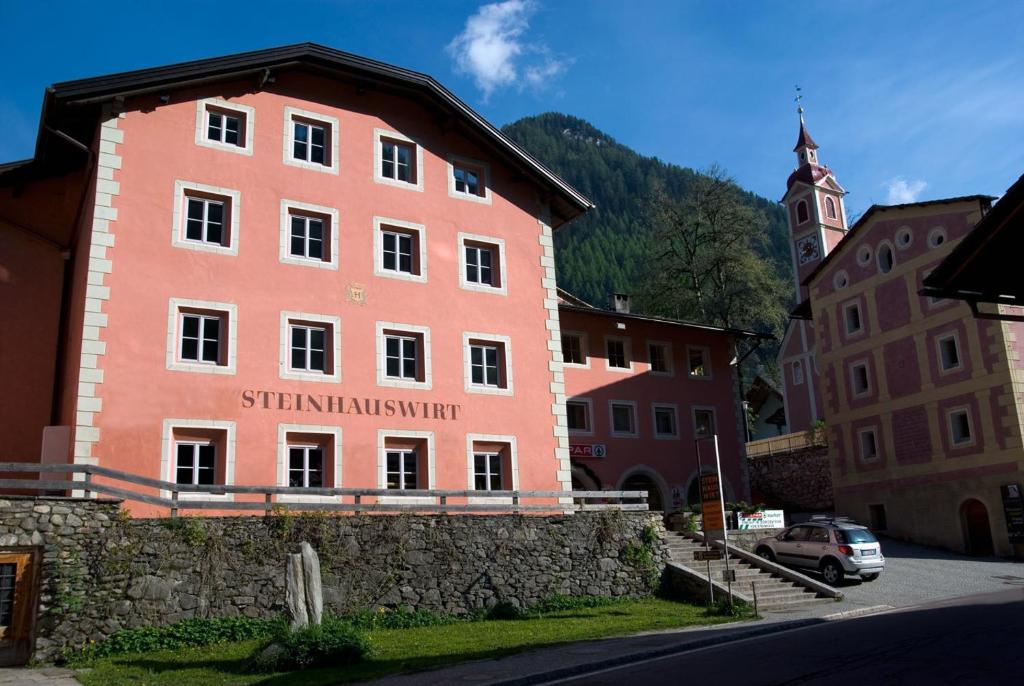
{"x":807,"y":249}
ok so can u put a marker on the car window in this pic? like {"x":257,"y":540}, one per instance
{"x":818,"y":534}
{"x":855,"y":536}
{"x":797,"y":533}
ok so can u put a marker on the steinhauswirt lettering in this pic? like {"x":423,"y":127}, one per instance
{"x":336,"y":404}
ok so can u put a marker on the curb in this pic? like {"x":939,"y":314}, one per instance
{"x":583,"y":669}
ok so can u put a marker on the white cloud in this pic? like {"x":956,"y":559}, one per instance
{"x":493,"y":50}
{"x":903,"y":191}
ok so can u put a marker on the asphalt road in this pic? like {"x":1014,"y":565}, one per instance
{"x":969,"y":640}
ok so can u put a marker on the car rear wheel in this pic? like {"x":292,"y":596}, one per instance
{"x":766,"y":553}
{"x":832,"y":572}
{"x":870,"y":577}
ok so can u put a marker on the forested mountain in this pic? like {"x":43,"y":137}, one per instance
{"x":605,"y":251}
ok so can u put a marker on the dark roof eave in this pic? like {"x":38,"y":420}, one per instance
{"x":99,"y":89}
{"x":664,"y":320}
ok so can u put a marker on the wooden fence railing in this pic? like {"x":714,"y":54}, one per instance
{"x":783,"y":444}
{"x":175,"y":497}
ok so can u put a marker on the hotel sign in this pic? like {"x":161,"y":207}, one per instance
{"x":587,"y":450}
{"x":337,"y":404}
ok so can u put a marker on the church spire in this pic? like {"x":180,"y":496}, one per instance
{"x":805,"y":146}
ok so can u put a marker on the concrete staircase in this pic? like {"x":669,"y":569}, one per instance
{"x":774,"y":591}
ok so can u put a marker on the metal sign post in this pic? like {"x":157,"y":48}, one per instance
{"x":725,"y":528}
{"x":703,"y":524}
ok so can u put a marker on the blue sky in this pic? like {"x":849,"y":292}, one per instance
{"x":909,"y":100}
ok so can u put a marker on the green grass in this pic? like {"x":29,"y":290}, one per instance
{"x":399,"y":650}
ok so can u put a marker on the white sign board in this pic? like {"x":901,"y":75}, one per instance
{"x":766,"y":519}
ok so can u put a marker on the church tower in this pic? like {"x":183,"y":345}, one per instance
{"x":815,"y":208}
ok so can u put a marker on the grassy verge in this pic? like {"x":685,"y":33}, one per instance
{"x":399,"y":650}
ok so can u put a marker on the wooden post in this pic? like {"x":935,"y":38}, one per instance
{"x":515,"y":502}
{"x":358,"y":502}
{"x":444,"y":503}
{"x":87,"y":492}
{"x":267,"y":501}
{"x":174,"y":503}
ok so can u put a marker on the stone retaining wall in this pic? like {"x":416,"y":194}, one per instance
{"x":103,"y":571}
{"x":798,"y":481}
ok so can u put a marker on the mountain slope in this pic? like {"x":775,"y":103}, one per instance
{"x":603,"y":252}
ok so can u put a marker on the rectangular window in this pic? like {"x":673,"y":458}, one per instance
{"x":467,"y":180}
{"x":307,"y":237}
{"x":798,"y":373}
{"x":398,"y":161}
{"x":698,"y":362}
{"x":201,"y":337}
{"x":623,"y":419}
{"x":401,"y":469}
{"x":397,"y":253}
{"x":868,"y":444}
{"x":851,"y":314}
{"x":310,"y":142}
{"x":487,"y":472}
{"x":660,"y":358}
{"x":578,"y":415}
{"x":305,"y":466}
{"x":224,"y":127}
{"x":484,"y":364}
{"x":665,"y":422}
{"x":204,"y":220}
{"x":572,"y":349}
{"x":704,"y":423}
{"x":195,"y":463}
{"x":401,"y":355}
{"x":479,"y":265}
{"x":308,"y":349}
{"x":616,"y":353}
{"x":960,"y":427}
{"x":859,"y":380}
{"x":949,"y":353}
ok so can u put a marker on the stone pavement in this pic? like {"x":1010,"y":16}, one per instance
{"x":51,"y":676}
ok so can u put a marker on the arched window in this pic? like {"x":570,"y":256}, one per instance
{"x":830,"y":208}
{"x":643,"y":482}
{"x":801,"y":212}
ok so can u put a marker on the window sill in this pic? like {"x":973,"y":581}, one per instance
{"x":482,"y":288}
{"x":309,"y":262}
{"x":317,"y":377}
{"x":197,"y":368}
{"x":386,"y":382}
{"x":206,"y":247}
{"x":488,"y":390}
{"x":397,"y":183}
{"x":400,"y":276}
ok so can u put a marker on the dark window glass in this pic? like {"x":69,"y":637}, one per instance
{"x":665,"y":421}
{"x":659,"y":363}
{"x":200,"y":338}
{"x":213,"y":131}
{"x":622,"y":419}
{"x":401,"y":472}
{"x":572,"y":349}
{"x":617,"y":354}
{"x":576,"y":414}
{"x":704,"y":423}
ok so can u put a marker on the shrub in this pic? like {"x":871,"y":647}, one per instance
{"x":334,"y":643}
{"x":186,"y":633}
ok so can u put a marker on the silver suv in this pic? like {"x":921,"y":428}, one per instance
{"x":835,"y":547}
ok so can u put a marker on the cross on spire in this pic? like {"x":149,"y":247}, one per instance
{"x":799,"y":107}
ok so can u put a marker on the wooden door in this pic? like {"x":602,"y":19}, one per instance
{"x":19,"y":585}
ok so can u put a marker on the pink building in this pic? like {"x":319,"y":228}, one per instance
{"x":639,"y":391}
{"x":292,"y":266}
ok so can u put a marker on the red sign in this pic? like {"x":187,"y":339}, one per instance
{"x":587,"y":450}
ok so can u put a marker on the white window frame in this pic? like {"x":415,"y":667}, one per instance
{"x":632,"y":404}
{"x":693,"y":419}
{"x":245,"y":112}
{"x":388,"y":382}
{"x":674,"y":409}
{"x":860,"y":444}
{"x":854,"y":365}
{"x":853,"y":304}
{"x":168,"y":455}
{"x":334,"y":435}
{"x":584,"y":349}
{"x":289,"y":207}
{"x":513,"y":478}
{"x":229,"y":314}
{"x":958,"y":410}
{"x":795,"y":366}
{"x":420,"y":241}
{"x":332,"y":322}
{"x":382,"y":465}
{"x":328,"y":122}
{"x":668,"y":358}
{"x":627,"y":347}
{"x":378,"y":158}
{"x":939,"y":340}
{"x":590,"y":416}
{"x":502,"y":342}
{"x":231,"y":199}
{"x":498,"y":245}
{"x":485,"y":170}
{"x":707,"y":363}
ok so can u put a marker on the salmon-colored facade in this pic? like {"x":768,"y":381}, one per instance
{"x":306,"y":261}
{"x":639,"y":392}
